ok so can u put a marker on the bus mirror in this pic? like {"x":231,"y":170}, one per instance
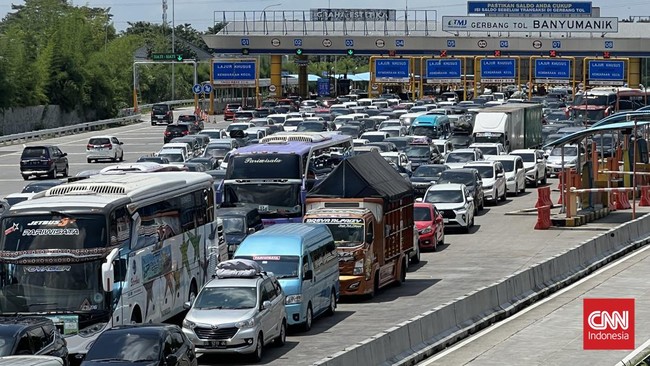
{"x":108,"y":274}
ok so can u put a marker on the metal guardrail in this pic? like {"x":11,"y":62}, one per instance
{"x":130,"y":117}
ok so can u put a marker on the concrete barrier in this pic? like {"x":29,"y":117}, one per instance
{"x":411,"y":341}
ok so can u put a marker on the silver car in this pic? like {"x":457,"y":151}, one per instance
{"x":237,"y":312}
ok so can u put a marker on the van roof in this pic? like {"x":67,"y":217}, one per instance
{"x":285,"y":239}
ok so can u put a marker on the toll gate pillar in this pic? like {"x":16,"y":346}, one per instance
{"x":276,"y":77}
{"x":635,"y":72}
{"x":303,"y":85}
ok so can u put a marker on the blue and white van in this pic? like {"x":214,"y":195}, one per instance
{"x":303,"y":258}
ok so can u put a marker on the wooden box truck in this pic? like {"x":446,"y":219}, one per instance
{"x":368,"y":207}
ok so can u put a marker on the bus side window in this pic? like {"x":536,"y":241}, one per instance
{"x":120,"y":227}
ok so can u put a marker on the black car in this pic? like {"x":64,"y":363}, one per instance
{"x":153,"y":159}
{"x":193,"y":119}
{"x":194,"y":167}
{"x":352,"y":131}
{"x":461,"y":141}
{"x":193,"y":141}
{"x":162,"y":113}
{"x":422,"y":154}
{"x":469,"y":177}
{"x":144,"y":344}
{"x":311,"y":126}
{"x":177,"y":130}
{"x":45,"y":160}
{"x":35,"y":187}
{"x":400,"y":141}
{"x":209,"y":162}
{"x":424,"y":176}
{"x":31,"y":336}
{"x":239,"y":222}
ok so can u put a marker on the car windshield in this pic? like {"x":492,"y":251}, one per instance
{"x":226,"y":298}
{"x":488,"y":150}
{"x":568,"y":151}
{"x":484,"y":171}
{"x":174,"y":158}
{"x":460,"y":140}
{"x":417,"y":151}
{"x":429,"y":170}
{"x":233,"y":225}
{"x":527,"y":158}
{"x":373,"y":137}
{"x":212,"y":134}
{"x":392,"y":159}
{"x":508,"y":165}
{"x":126,"y":346}
{"x":310,"y":127}
{"x":282,"y":266}
{"x":99,"y":141}
{"x":291,"y":123}
{"x":436,"y":196}
{"x":422,"y":214}
{"x":460,"y":157}
{"x":450,"y":176}
{"x":39,"y":187}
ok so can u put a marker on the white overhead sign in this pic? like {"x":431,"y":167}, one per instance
{"x":528,"y":24}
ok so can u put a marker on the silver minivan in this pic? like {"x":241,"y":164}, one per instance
{"x":240,"y":311}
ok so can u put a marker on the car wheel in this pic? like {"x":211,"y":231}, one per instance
{"x":544,"y":180}
{"x":332,"y":308}
{"x":440,"y":242}
{"x":503,"y":196}
{"x":309,"y":319}
{"x":416,"y":259}
{"x":153,"y":123}
{"x":54,"y":173}
{"x":25,"y":177}
{"x":122,"y":156}
{"x":66,"y":171}
{"x":259,"y":349}
{"x":89,"y":161}
{"x":516,"y":193}
{"x":536,"y":181}
{"x":523,"y":189}
{"x":481,"y":204}
{"x":282,"y":337}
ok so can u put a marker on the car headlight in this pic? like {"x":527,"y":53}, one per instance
{"x":188,"y":324}
{"x":293,"y":299}
{"x":92,"y":330}
{"x":426,"y":230}
{"x":358,"y":267}
{"x":246,"y":323}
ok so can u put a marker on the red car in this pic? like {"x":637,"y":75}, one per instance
{"x":429,"y":223}
{"x":229,"y":111}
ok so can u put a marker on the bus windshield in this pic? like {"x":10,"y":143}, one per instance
{"x":56,"y":230}
{"x":273,"y":200}
{"x":264,"y":166}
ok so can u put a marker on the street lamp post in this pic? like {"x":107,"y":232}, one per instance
{"x":173,"y":49}
{"x":268,"y":6}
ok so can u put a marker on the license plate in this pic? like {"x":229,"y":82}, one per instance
{"x":218,"y":344}
{"x":160,"y":115}
{"x":446,"y":221}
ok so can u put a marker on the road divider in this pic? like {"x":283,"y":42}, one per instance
{"x":420,"y":337}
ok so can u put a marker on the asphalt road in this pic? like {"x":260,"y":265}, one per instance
{"x":498,"y":246}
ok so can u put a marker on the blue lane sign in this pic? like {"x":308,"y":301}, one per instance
{"x":234,"y":72}
{"x":207,"y":88}
{"x":529,"y":7}
{"x":498,"y":70}
{"x":392,"y":70}
{"x":197,"y":89}
{"x":443,"y":71}
{"x":556,"y":44}
{"x":612,"y":72}
{"x":552,"y":69}
{"x":323,"y":87}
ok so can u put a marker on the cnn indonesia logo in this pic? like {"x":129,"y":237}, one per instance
{"x":608,"y":324}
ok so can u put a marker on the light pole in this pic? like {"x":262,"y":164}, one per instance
{"x":268,"y":6}
{"x":173,"y":49}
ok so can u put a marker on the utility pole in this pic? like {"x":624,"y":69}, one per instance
{"x":173,"y":50}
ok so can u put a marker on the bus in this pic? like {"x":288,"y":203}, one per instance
{"x":595,"y":104}
{"x":109,"y":250}
{"x":276,"y":174}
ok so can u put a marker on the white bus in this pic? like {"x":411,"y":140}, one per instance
{"x":108,"y":250}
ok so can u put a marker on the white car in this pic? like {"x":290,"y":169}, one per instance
{"x":291,"y":124}
{"x":375,"y":136}
{"x":460,"y":157}
{"x":360,"y":142}
{"x":175,"y":156}
{"x":455,"y":203}
{"x":494,"y":179}
{"x":399,"y":159}
{"x":395,"y":131}
{"x":535,"y":165}
{"x":554,"y":159}
{"x":215,"y":134}
{"x":104,"y":147}
{"x":489,"y":148}
{"x":185,"y":147}
{"x":444,"y":146}
{"x":513,"y":165}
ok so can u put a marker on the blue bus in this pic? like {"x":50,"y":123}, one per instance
{"x":276,"y":174}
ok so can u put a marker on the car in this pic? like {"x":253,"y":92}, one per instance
{"x":34,"y":360}
{"x":195,"y":148}
{"x":384,"y":146}
{"x":239,"y":126}
{"x":461,"y":140}
{"x":43,"y":160}
{"x":394,"y":131}
{"x":352,"y":131}
{"x":493,"y":177}
{"x":35,"y":187}
{"x":208,"y":162}
{"x":239,"y":311}
{"x":174,"y":156}
{"x":185,"y":147}
{"x":162,"y":113}
{"x":534,"y":164}
{"x":245,"y":116}
{"x":569,"y":153}
{"x":239,"y":222}
{"x":176,"y":130}
{"x":215,"y":134}
{"x":399,"y":159}
{"x":423,"y":154}
{"x":311,"y":127}
{"x":194,"y":167}
{"x":430,"y":226}
{"x":193,"y":119}
{"x":513,"y":167}
{"x":426,"y":175}
{"x":401,"y":142}
{"x":489,"y":148}
{"x":31,"y":335}
{"x":141,"y":344}
{"x":153,"y":159}
{"x":219,"y":149}
{"x":444,"y":147}
{"x":104,"y":147}
{"x":458,"y":158}
{"x":359,"y":142}
{"x":375,"y":136}
{"x":471,"y":179}
{"x":455,"y":203}
{"x":229,"y":111}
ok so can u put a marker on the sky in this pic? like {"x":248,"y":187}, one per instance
{"x":201,"y":13}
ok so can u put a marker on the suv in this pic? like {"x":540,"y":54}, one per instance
{"x":104,"y":147}
{"x":494,"y":179}
{"x":240,"y":311}
{"x":31,"y":336}
{"x":239,"y":222}
{"x":177,"y":130}
{"x":470,"y":178}
{"x":535,"y":165}
{"x":229,"y":111}
{"x":45,"y":160}
{"x":193,"y":119}
{"x":162,"y":113}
